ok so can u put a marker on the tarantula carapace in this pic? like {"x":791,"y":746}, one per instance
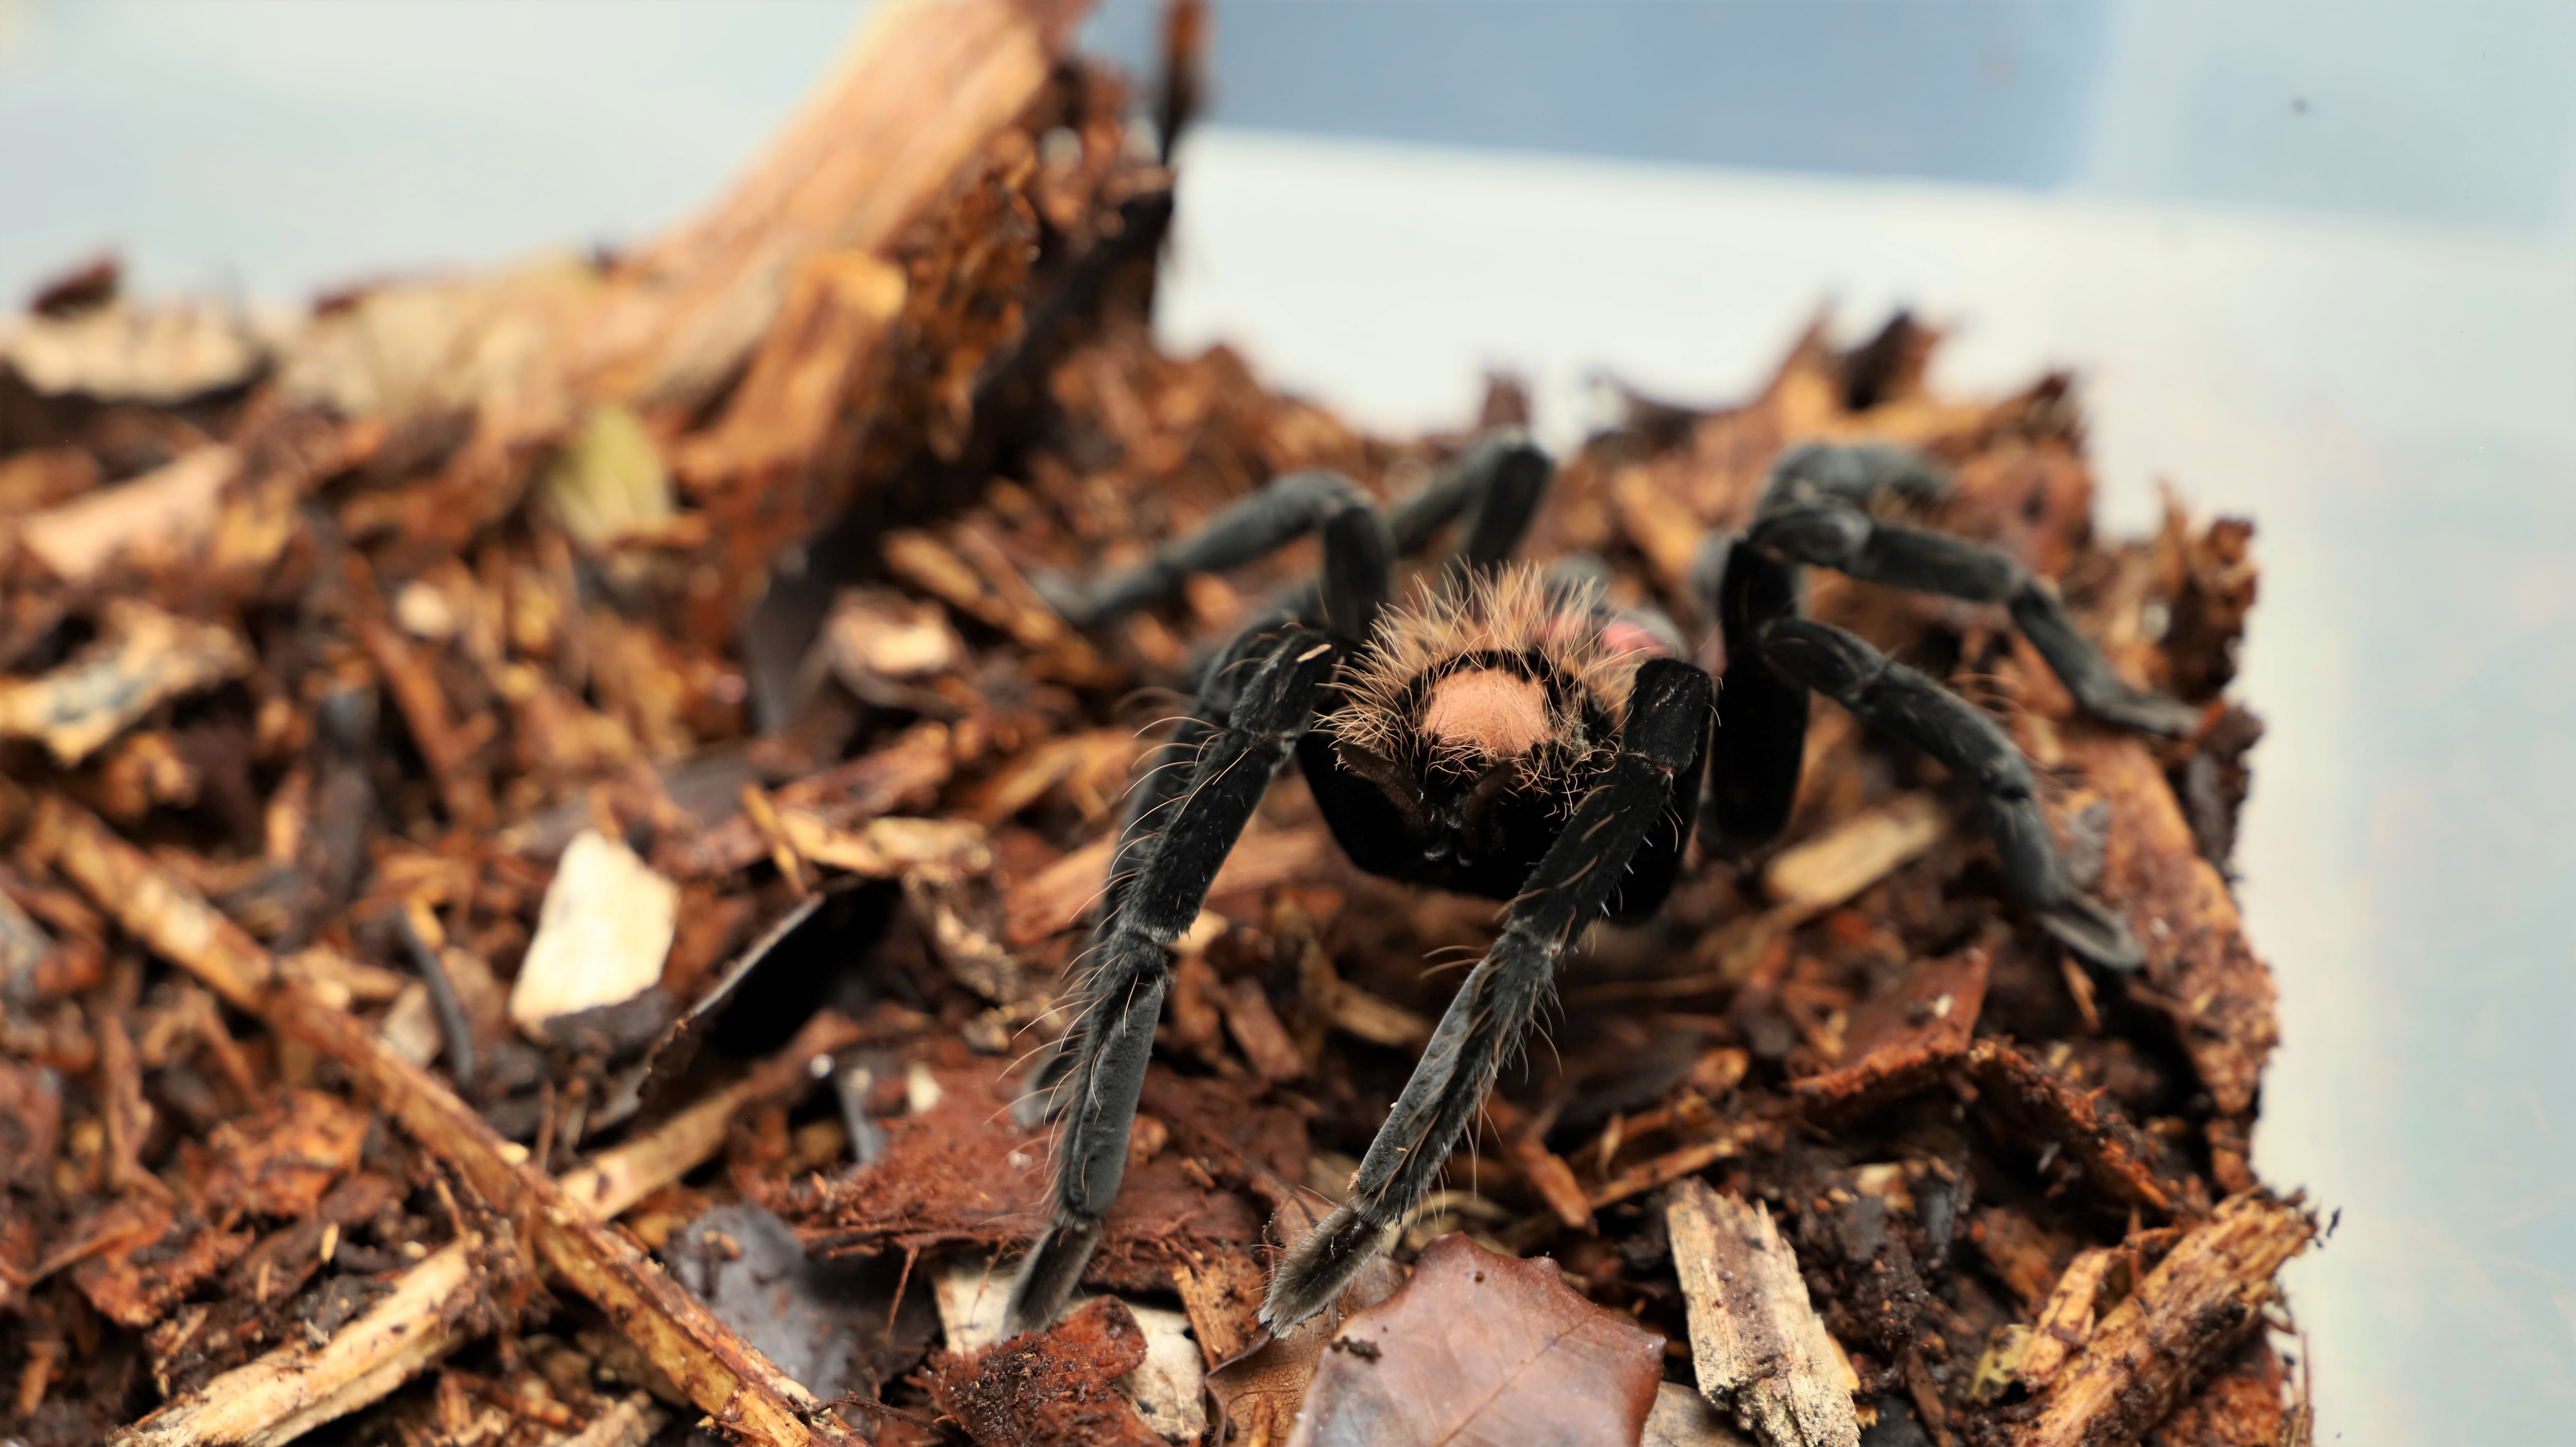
{"x":1507,"y":733}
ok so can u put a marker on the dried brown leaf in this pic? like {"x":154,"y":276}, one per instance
{"x":1479,"y":1348}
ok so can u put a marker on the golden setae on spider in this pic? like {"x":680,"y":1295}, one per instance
{"x":1509,"y":734}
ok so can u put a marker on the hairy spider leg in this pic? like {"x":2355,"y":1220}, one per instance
{"x":1813,"y":513}
{"x":1664,"y":741}
{"x":1175,"y":842}
{"x":1853,"y":472}
{"x":1253,"y":526}
{"x":1915,"y":707}
{"x":1357,"y":576}
{"x":1753,"y":587}
{"x":1496,"y":484}
{"x":1761,"y":742}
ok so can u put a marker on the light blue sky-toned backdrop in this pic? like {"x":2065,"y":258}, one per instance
{"x":2315,"y":262}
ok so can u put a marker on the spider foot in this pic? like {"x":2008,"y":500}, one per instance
{"x":1053,"y":1270}
{"x":2084,"y":925}
{"x":1071,"y":600}
{"x":2147,"y":713}
{"x":1317,"y":1268}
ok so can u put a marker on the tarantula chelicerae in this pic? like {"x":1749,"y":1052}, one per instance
{"x":1508,"y":734}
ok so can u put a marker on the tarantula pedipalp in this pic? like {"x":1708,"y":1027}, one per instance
{"x":1508,"y":734}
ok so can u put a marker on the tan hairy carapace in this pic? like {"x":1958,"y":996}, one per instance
{"x":1475,"y":716}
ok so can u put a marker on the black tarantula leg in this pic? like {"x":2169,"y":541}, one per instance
{"x":1667,"y":728}
{"x":1834,"y":534}
{"x":1917,"y":709}
{"x":1761,"y":742}
{"x":1256,"y":525}
{"x":1853,"y":472}
{"x":1356,"y":576}
{"x":1496,"y":484}
{"x":1165,"y":779}
{"x":1130,"y":956}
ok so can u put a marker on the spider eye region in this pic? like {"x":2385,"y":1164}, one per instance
{"x":1491,"y":711}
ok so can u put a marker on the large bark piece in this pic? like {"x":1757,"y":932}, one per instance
{"x":919,"y":90}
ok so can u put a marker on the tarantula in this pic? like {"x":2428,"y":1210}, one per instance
{"x":1509,"y":734}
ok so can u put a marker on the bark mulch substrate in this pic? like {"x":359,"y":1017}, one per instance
{"x":544,"y":818}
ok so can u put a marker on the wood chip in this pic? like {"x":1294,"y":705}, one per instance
{"x":1544,"y":1170}
{"x":2180,"y":1323}
{"x":281,"y":1397}
{"x":1683,"y":1418}
{"x":145,"y":520}
{"x":940,"y":849}
{"x":1760,"y":1349}
{"x":1815,"y":875}
{"x":706,"y":1359}
{"x":1376,"y":1019}
{"x":2117,"y":1157}
{"x":2202,"y":972}
{"x":601,"y":936}
{"x":1222,"y":1292}
{"x":448,"y":745}
{"x":144,"y":658}
{"x":1731,"y":1138}
{"x":2066,"y":1318}
{"x":906,"y":771}
{"x":279,"y":1159}
{"x":1258,"y":1033}
{"x":152,"y":1257}
{"x":1056,"y":899}
{"x":1900,"y":1037}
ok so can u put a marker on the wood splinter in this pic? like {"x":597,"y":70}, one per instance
{"x":1761,"y":1350}
{"x":2199,"y":1304}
